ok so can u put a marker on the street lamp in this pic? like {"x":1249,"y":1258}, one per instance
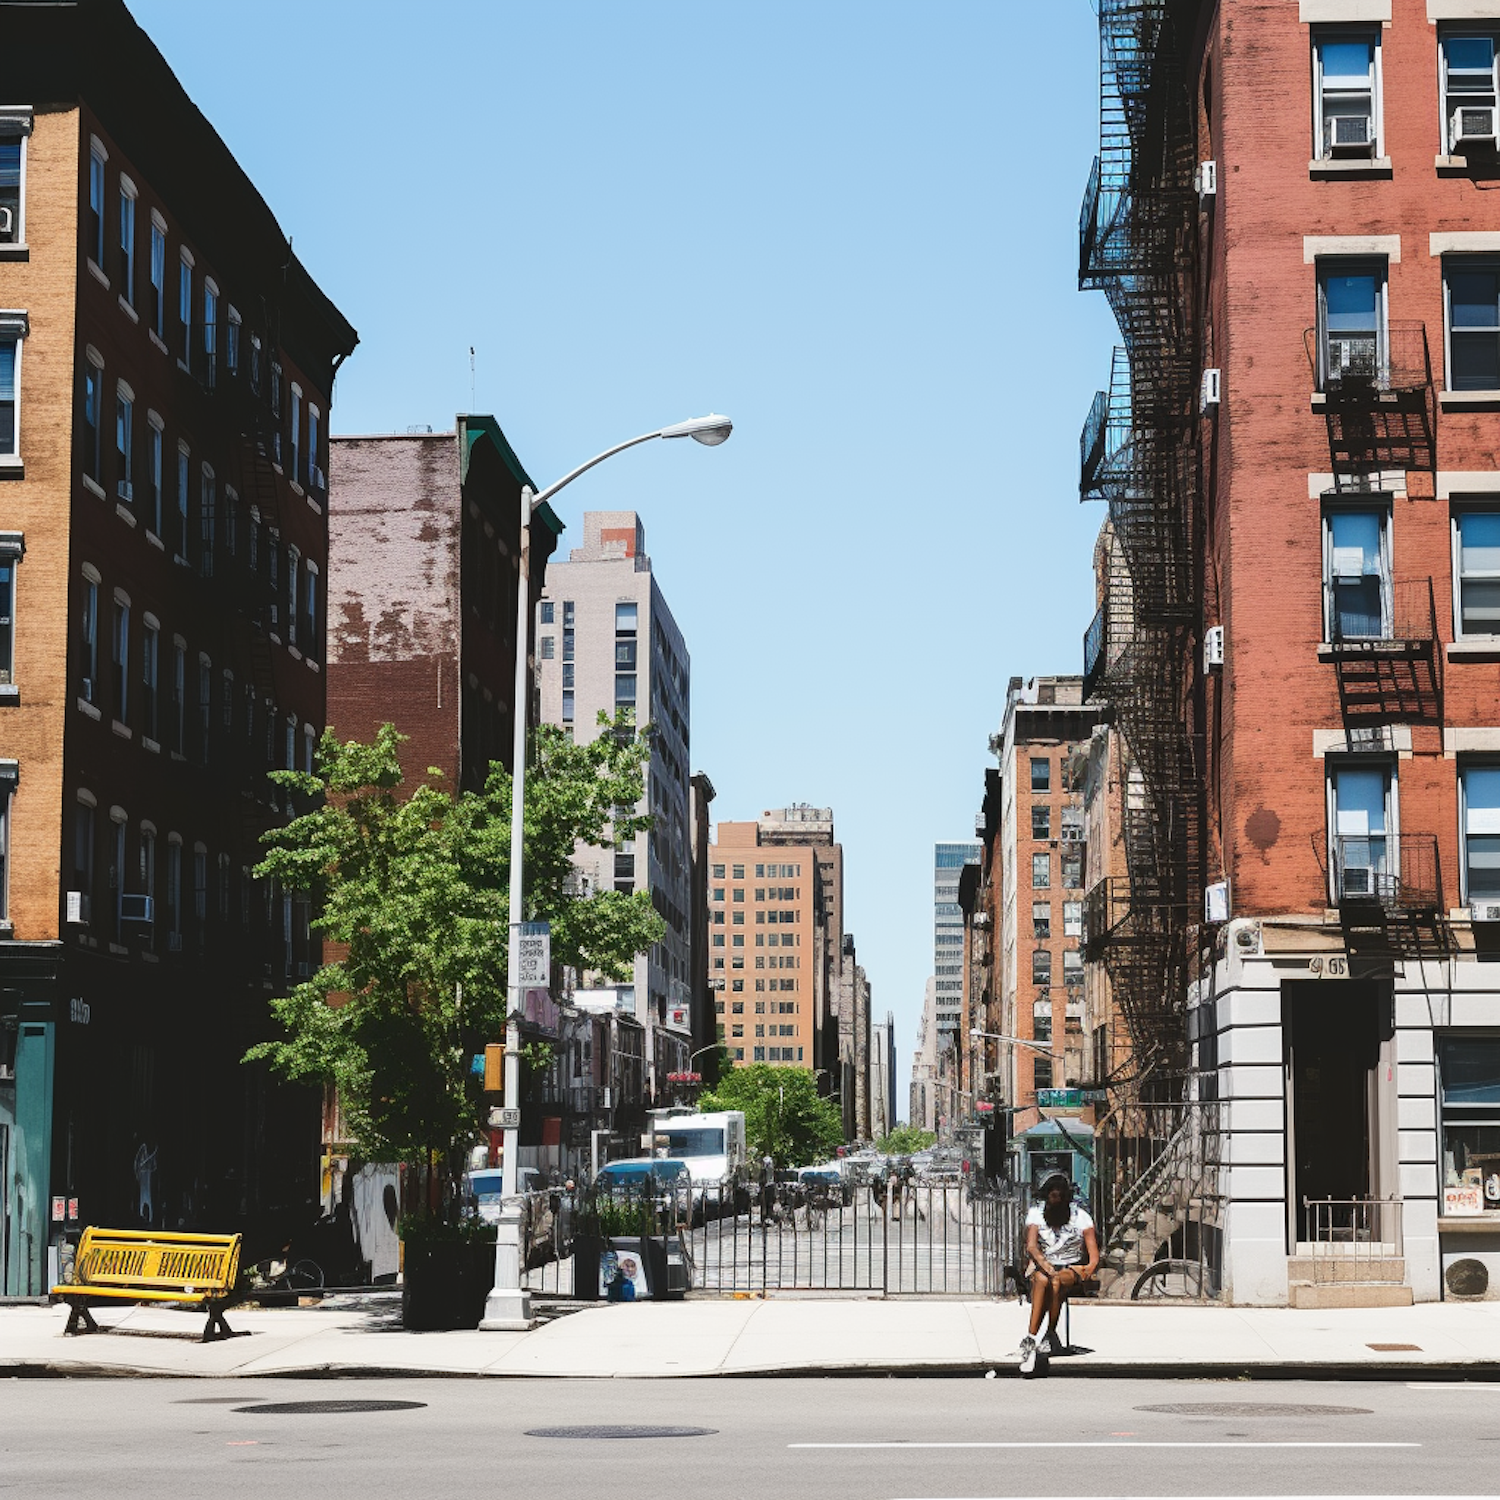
{"x":509,"y":1305}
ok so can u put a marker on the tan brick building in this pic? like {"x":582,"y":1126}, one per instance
{"x":166,"y":365}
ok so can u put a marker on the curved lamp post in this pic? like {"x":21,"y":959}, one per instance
{"x":509,"y":1304}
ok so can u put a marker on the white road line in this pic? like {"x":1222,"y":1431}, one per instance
{"x":1132,"y":1444}
{"x":1453,"y":1385}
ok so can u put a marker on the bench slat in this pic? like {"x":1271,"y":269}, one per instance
{"x":187,"y":1264}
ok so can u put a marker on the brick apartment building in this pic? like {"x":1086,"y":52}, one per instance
{"x":166,"y":366}
{"x":1292,"y":219}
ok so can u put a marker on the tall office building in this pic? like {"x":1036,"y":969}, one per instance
{"x":948,"y":935}
{"x":606,"y":641}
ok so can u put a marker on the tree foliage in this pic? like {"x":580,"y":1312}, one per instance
{"x":413,"y":883}
{"x":905,"y":1140}
{"x":785,"y":1116}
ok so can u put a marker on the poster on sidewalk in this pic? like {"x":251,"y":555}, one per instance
{"x":622,"y":1276}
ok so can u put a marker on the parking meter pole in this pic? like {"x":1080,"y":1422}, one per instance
{"x":508,"y":1306}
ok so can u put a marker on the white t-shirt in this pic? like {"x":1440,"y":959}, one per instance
{"x":1063,"y":1247}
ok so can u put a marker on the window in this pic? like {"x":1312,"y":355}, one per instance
{"x":127,"y":241}
{"x":293,"y":582}
{"x":153,"y":473}
{"x":1471,"y":295}
{"x":549,"y":647}
{"x":205,"y":706}
{"x":232,"y":342}
{"x":12,"y":331}
{"x":15,"y":126}
{"x":88,"y":639}
{"x":1469,"y":1094}
{"x":150,"y":662}
{"x":1041,"y":919}
{"x":310,"y":610}
{"x":1041,"y":1020}
{"x":625,"y":619}
{"x":296,"y":470}
{"x":1041,"y":871}
{"x":625,"y":690}
{"x":315,"y":479}
{"x":93,"y":382}
{"x":1346,"y":82}
{"x":1466,"y":72}
{"x":1041,"y":821}
{"x":174,"y":893}
{"x":210,"y":332}
{"x":1479,"y":808}
{"x":1041,"y":966}
{"x":119,"y":639}
{"x":185,"y":306}
{"x":548,"y":612}
{"x":158,"y":309}
{"x":1072,"y":966}
{"x":96,"y":205}
{"x":1360,"y":818}
{"x":179,"y":697}
{"x":1041,"y":775}
{"x":124,"y":441}
{"x":1072,"y":918}
{"x":148,"y":878}
{"x":9,"y":774}
{"x":737,"y":873}
{"x":83,"y":850}
{"x":1356,"y":571}
{"x":567,"y":707}
{"x":1351,"y":321}
{"x":1476,"y":572}
{"x":718,"y":874}
{"x":179,"y":539}
{"x":1041,"y":1067}
{"x":1072,"y":868}
{"x":1072,"y":825}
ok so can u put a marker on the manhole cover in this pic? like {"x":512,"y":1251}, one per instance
{"x":621,"y":1432}
{"x":327,"y":1408}
{"x":1253,"y":1409}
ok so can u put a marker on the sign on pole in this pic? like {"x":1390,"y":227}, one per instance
{"x":532,"y":945}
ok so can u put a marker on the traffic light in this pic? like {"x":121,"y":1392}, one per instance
{"x":494,"y":1068}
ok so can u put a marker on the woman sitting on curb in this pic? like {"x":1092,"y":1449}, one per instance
{"x":1063,"y":1250}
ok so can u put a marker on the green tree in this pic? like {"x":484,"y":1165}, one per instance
{"x":785,"y":1116}
{"x":905,"y":1140}
{"x":413,"y":883}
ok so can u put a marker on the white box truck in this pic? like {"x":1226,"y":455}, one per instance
{"x":713,"y":1146}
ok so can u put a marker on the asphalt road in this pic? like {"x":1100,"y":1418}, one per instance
{"x":916,"y":1439}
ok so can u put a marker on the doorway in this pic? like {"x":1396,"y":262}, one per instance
{"x":1333,"y":1030}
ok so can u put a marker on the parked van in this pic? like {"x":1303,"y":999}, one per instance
{"x":713,"y":1146}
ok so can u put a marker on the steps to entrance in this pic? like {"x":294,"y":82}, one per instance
{"x":1306,"y":1294}
{"x":1338,"y":1281}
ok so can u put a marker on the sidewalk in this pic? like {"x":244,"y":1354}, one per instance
{"x":779,"y":1336}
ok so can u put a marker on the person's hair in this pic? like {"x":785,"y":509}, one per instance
{"x":1056,"y":1214}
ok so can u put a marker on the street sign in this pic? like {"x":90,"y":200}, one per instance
{"x":531,"y":944}
{"x":505,"y":1119}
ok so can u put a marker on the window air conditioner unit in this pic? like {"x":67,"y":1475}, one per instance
{"x":1473,"y":125}
{"x":1213,"y":647}
{"x":1347,"y":133}
{"x":1208,"y":392}
{"x":1206,"y":179}
{"x":1072,"y":833}
{"x":1484,"y":911}
{"x":1354,"y":356}
{"x":1216,"y":902}
{"x":137,"y":909}
{"x":1356,"y":880}
{"x":78,"y":908}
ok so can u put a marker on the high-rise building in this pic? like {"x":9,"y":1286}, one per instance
{"x":166,"y":368}
{"x":948,"y":861}
{"x":924,"y":1103}
{"x":882,"y":1077}
{"x":607,"y":641}
{"x":1297,"y":633}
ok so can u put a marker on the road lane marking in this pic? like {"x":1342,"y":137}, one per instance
{"x":1452,"y":1385}
{"x":1137,"y":1444}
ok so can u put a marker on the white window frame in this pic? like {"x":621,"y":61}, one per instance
{"x":16,"y":120}
{"x":233,"y":328}
{"x":1461,"y":507}
{"x":127,"y":195}
{"x":1458,"y":262}
{"x":210,"y":331}
{"x":158,"y":273}
{"x":185,"y":264}
{"x":156,"y":470}
{"x":98,"y":156}
{"x":125,"y":441}
{"x":1446,"y":105}
{"x":1465,"y":766}
{"x":150,"y":678}
{"x":1381,"y":505}
{"x":10,"y":777}
{"x":310,"y":610}
{"x":12,"y":551}
{"x":1327,"y":265}
{"x":89,"y":638}
{"x":1386,"y":766}
{"x":15,"y":326}
{"x":1322,"y":151}
{"x":296,"y":425}
{"x":94,"y":462}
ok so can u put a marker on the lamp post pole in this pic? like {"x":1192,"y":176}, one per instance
{"x":509,"y":1304}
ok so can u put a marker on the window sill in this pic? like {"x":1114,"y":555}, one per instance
{"x":12,"y":467}
{"x":125,"y":513}
{"x":297,"y":489}
{"x":1354,"y":166}
{"x":93,"y":487}
{"x":84,"y":706}
{"x":294,"y":653}
{"x":1485,"y":1223}
{"x":1476,"y":646}
{"x":1472,"y":400}
{"x":311,"y":665}
{"x":155,"y":540}
{"x":10,"y":694}
{"x":277,"y":467}
{"x":150,"y":958}
{"x":119,"y":950}
{"x":129,"y":311}
{"x":15,"y":252}
{"x":186,"y":368}
{"x":98,"y":274}
{"x":313,"y":506}
{"x":123,"y":730}
{"x":156,"y":339}
{"x":150,"y":745}
{"x":177,"y":755}
{"x":275,"y":639}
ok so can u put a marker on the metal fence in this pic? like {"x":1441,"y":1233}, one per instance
{"x":1352,"y":1239}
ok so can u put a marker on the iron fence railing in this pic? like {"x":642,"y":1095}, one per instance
{"x":1364,"y":617}
{"x":1352,"y":1239}
{"x":1362,"y":366}
{"x":1398,"y":872}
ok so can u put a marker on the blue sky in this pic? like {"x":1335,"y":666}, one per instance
{"x":849,"y":224}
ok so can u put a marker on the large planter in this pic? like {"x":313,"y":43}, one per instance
{"x":445,"y":1283}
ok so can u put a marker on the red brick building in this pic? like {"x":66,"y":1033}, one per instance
{"x":1292,"y":219}
{"x":166,"y":366}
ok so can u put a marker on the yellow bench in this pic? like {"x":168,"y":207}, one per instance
{"x":130,"y":1265}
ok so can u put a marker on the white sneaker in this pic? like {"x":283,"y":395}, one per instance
{"x":1028,"y":1355}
